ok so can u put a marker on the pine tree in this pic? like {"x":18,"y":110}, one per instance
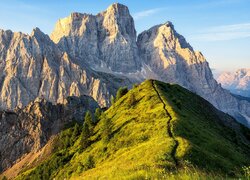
{"x":66,"y":142}
{"x":88,"y":120}
{"x":98,"y":113}
{"x":106,"y":129}
{"x":85,"y":136}
{"x":75,"y":133}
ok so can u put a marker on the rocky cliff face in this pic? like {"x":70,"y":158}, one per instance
{"x":28,"y":130}
{"x":107,"y":41}
{"x":33,"y":66}
{"x":237,"y":82}
{"x":95,"y":54}
{"x":173,"y":60}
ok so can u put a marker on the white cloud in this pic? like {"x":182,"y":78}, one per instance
{"x":142,"y":14}
{"x":224,"y":33}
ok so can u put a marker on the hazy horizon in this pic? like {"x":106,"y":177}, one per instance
{"x":219,"y":29}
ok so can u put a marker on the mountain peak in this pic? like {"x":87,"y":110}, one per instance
{"x":118,"y":7}
{"x":76,"y":15}
{"x":243,"y":72}
{"x":169,"y":24}
{"x":37,"y":32}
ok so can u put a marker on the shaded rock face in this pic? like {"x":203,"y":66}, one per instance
{"x":29,"y":129}
{"x":237,"y":82}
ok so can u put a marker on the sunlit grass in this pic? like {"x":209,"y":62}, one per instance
{"x":140,"y":146}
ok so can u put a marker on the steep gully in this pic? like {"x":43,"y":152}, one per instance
{"x":169,"y":130}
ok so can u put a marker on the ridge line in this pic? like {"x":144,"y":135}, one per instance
{"x":173,"y":152}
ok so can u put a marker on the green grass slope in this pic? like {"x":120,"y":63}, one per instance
{"x":157,"y":131}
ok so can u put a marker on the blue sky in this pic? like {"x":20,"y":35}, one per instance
{"x":220,"y":29}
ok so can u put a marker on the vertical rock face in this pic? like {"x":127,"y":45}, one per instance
{"x":174,"y":60}
{"x":29,"y":129}
{"x":118,"y":39}
{"x":106,"y":41}
{"x":33,"y":66}
{"x":77,"y":35}
{"x":25,"y":60}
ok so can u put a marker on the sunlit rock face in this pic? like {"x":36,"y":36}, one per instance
{"x":33,"y":66}
{"x":237,"y":82}
{"x":96,"y":54}
{"x":173,"y":60}
{"x":106,"y":41}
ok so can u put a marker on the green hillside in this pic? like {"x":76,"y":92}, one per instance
{"x":156,"y":130}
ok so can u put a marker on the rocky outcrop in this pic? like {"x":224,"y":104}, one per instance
{"x":27,"y":130}
{"x":173,"y":60}
{"x":237,"y":82}
{"x":33,"y":66}
{"x":106,"y":42}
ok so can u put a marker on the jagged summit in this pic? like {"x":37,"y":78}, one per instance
{"x":78,"y":15}
{"x":169,"y":23}
{"x":36,"y":30}
{"x":38,"y":34}
{"x":118,"y":8}
{"x":106,"y":41}
{"x":167,"y":34}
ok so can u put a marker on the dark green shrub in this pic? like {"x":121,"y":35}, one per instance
{"x":131,"y":99}
{"x":121,"y":92}
{"x":90,"y":163}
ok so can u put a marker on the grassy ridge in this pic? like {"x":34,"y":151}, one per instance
{"x":140,"y":145}
{"x":212,"y":146}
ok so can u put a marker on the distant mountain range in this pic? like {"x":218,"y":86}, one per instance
{"x":237,"y":82}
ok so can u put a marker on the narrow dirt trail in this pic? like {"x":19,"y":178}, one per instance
{"x":169,"y":130}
